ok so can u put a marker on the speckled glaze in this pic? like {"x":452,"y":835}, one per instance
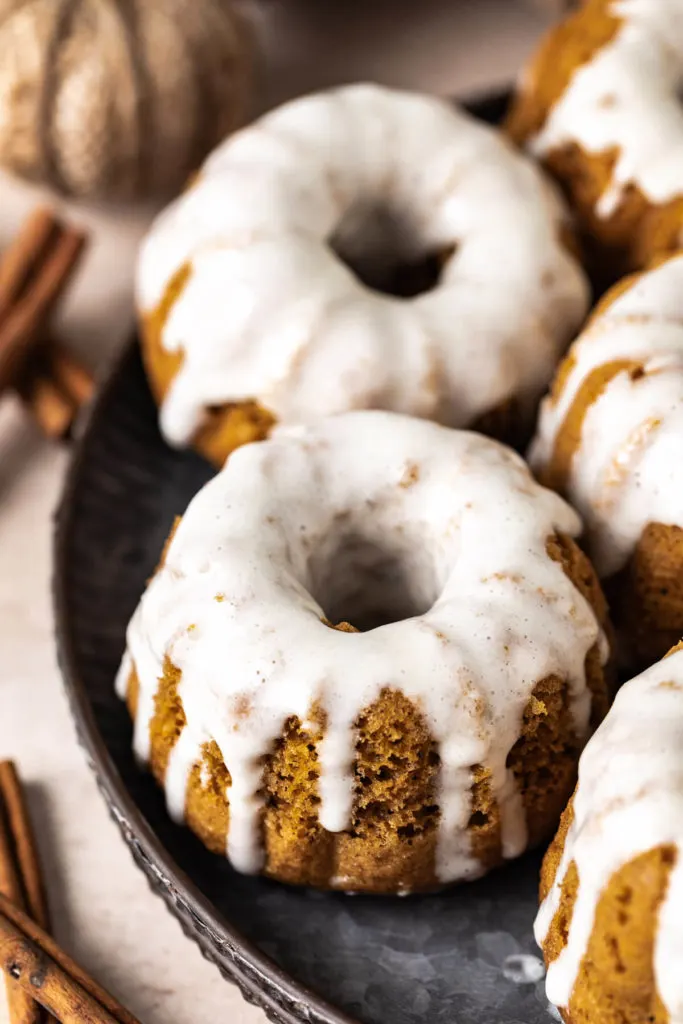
{"x":626,"y":99}
{"x":625,"y":472}
{"x":445,"y":533}
{"x":629,"y":800}
{"x":269,"y":312}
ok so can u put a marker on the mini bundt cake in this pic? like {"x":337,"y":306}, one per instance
{"x":600,"y":106}
{"x":612,"y":881}
{"x":610,"y":439}
{"x":370,"y":657}
{"x":358,"y":248}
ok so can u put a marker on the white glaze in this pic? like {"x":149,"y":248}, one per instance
{"x":627,"y":98}
{"x":629,"y":800}
{"x":626,"y":472}
{"x":452,"y":529}
{"x":271,"y":313}
{"x":523,"y":969}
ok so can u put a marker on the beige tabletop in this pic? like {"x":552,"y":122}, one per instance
{"x":102,"y":908}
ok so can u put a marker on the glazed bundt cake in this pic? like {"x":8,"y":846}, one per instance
{"x":600,"y":105}
{"x":370,"y":657}
{"x":610,"y":438}
{"x":359,"y":248}
{"x":612,"y":882}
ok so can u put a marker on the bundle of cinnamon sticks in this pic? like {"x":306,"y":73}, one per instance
{"x":43,"y":982}
{"x":35,"y":271}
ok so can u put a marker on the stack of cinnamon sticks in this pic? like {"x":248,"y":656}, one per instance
{"x":43,"y":983}
{"x":35,"y":271}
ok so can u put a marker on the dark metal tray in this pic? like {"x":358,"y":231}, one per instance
{"x":303,"y":956}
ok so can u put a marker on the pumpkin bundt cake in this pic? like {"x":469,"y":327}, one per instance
{"x":612,"y":882}
{"x":370,"y":657}
{"x":600,"y":105}
{"x":358,"y":248}
{"x":610,"y":439}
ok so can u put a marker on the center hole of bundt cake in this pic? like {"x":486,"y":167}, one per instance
{"x":368,"y":584}
{"x":382,"y":246}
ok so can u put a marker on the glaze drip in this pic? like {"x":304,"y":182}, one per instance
{"x":629,"y":800}
{"x":232,"y":608}
{"x":625,"y":472}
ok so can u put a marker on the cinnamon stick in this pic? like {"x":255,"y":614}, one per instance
{"x":26,"y":850}
{"x":55,"y":386}
{"x":34,"y":272}
{"x":23,"y":324}
{"x":51,"y":408}
{"x":19,"y":259}
{"x":19,"y":876}
{"x":41,"y":981}
{"x":22,"y":1008}
{"x":37,"y":964}
{"x":70,"y":375}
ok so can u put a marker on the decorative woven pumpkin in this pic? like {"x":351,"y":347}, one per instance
{"x":118,"y":98}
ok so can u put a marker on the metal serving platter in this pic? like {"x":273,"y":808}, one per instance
{"x":463,"y":957}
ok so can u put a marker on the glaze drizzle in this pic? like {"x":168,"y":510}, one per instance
{"x":626,"y":100}
{"x":629,"y":800}
{"x":625,"y":472}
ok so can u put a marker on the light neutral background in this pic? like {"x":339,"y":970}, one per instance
{"x":103,"y":910}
